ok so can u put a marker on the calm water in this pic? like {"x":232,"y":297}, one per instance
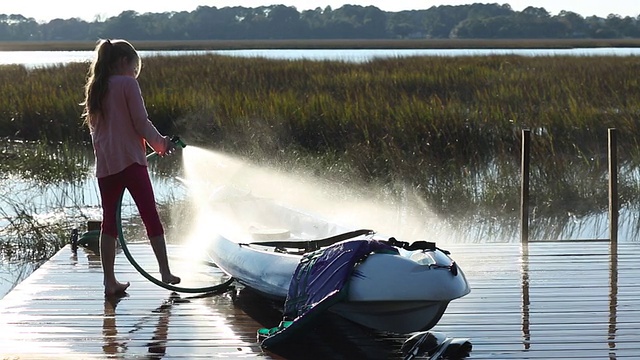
{"x":48,"y":58}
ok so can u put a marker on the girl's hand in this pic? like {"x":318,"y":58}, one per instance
{"x":169,"y":148}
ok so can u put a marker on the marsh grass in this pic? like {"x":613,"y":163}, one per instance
{"x":38,"y":197}
{"x":449,"y":127}
{"x":461,"y":108}
{"x":45,"y":163}
{"x":46,"y":190}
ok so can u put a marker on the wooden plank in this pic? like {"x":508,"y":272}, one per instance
{"x":539,"y":301}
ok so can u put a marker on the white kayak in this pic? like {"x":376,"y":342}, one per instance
{"x":260,"y":243}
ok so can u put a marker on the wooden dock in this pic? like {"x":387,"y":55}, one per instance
{"x":573,"y":300}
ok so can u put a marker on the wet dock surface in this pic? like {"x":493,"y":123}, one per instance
{"x":573,"y":300}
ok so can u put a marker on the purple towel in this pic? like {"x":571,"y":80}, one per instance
{"x":325,"y":272}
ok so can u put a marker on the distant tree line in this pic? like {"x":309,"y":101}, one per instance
{"x":477,"y":21}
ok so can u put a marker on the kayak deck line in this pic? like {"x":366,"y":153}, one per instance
{"x":305,"y":246}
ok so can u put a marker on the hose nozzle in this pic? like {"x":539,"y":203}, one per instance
{"x":176,"y":140}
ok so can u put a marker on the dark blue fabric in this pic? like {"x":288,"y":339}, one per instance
{"x":325,"y":272}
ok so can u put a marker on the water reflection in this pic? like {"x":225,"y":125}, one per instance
{"x":226,"y":325}
{"x":112,"y":343}
{"x":158,"y":344}
{"x":526,"y":302}
{"x":613,"y":296}
{"x":115,"y":344}
{"x":330,"y":337}
{"x":526,"y":286}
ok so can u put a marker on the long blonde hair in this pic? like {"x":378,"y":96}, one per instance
{"x":107,"y":55}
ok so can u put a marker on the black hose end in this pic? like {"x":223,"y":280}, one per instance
{"x":176,"y":140}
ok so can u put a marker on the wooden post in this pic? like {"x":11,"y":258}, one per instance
{"x":613,"y":186}
{"x":524,"y":185}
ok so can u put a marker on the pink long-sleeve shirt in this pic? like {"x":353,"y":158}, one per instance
{"x":121,"y":133}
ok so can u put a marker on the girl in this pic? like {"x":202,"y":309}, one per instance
{"x":117,"y":118}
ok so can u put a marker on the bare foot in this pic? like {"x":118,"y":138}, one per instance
{"x":116,"y":289}
{"x":171,"y":279}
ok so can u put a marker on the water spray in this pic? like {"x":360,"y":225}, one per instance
{"x":96,"y":233}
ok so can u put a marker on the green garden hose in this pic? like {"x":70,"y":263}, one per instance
{"x":96,"y":233}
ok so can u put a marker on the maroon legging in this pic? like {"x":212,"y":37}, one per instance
{"x":135,"y":179}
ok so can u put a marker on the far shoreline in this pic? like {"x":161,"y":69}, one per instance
{"x":330,"y":44}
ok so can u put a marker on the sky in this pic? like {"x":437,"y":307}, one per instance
{"x":91,"y":10}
